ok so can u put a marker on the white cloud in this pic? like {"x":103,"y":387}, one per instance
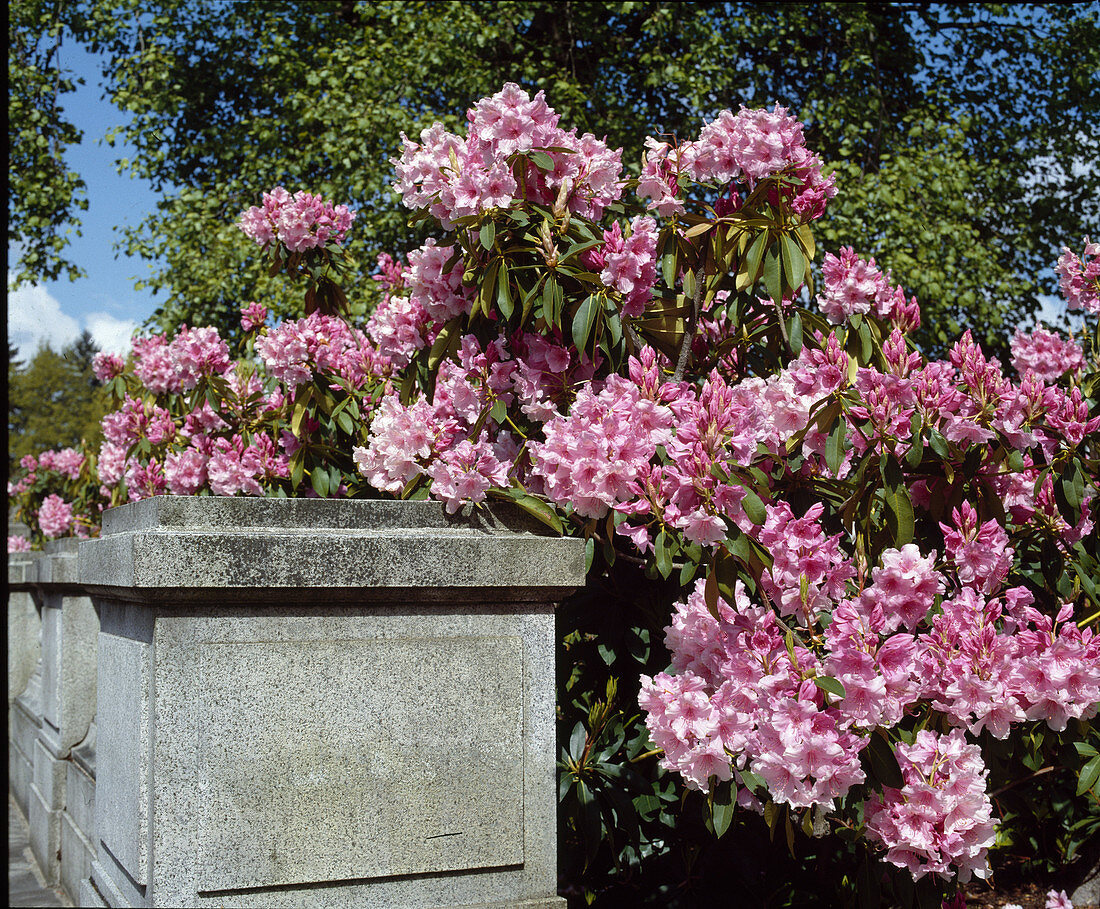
{"x":35,"y":319}
{"x":111,"y":334}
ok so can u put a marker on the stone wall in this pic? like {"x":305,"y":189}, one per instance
{"x":301,"y":702}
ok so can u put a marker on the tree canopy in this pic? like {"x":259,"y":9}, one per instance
{"x":54,"y":400}
{"x":962,"y":137}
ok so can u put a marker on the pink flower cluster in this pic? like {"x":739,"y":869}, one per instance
{"x":106,"y":366}
{"x":68,"y":462}
{"x":1079,"y":277}
{"x":437,"y":439}
{"x":299,"y":349}
{"x":630,"y":265}
{"x":454,"y":177}
{"x":808,"y":573}
{"x":940,"y":821}
{"x":18,"y":544}
{"x":1045,"y":353}
{"x":300,"y":222}
{"x":744,"y":147}
{"x":739,"y":701}
{"x":979,"y":551}
{"x":55,"y":517}
{"x":590,"y":456}
{"x":163,"y":366}
{"x":855,"y":285}
{"x":253,"y":316}
{"x":983,"y":676}
{"x":439,"y":293}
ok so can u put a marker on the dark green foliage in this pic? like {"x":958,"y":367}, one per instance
{"x":43,"y":195}
{"x":960,"y":135}
{"x":54,"y":400}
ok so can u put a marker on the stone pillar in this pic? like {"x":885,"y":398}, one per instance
{"x":24,"y":675}
{"x":312,"y":702}
{"x":69,"y":632}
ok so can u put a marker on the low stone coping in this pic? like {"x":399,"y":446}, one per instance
{"x":20,"y":570}
{"x":58,"y":564}
{"x":189,"y":547}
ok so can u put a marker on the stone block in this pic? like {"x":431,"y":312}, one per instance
{"x":90,"y":896}
{"x":69,"y":631}
{"x":50,"y":770}
{"x":25,"y":726}
{"x":80,"y":795}
{"x":77,"y":854}
{"x":368,"y":729}
{"x":20,"y":776}
{"x":44,"y":825}
{"x":24,"y":633}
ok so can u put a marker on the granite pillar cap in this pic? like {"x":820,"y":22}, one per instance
{"x":58,"y":564}
{"x":189,"y":544}
{"x":21,"y":569}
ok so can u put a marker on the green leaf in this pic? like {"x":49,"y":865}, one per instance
{"x":539,"y":509}
{"x":668,"y":269}
{"x":795,"y":329}
{"x":771,"y":277}
{"x":345,"y":422}
{"x":663,"y":555}
{"x":794,"y":263}
{"x":577,"y":741}
{"x":754,"y":507}
{"x":750,"y":269}
{"x":830,"y":685}
{"x":583,"y":321}
{"x":448,"y":334}
{"x":884,"y":763}
{"x":318,"y":478}
{"x":541,"y":160}
{"x":937,"y":442}
{"x":900,"y":517}
{"x":487,"y":234}
{"x":835,"y":447}
{"x":722,"y":807}
{"x":504,"y":292}
{"x":1090,"y":773}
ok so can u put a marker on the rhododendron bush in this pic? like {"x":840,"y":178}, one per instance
{"x":875,"y":574}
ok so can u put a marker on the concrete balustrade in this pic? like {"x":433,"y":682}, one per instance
{"x":324,"y":703}
{"x":24,"y":675}
{"x":70,"y":630}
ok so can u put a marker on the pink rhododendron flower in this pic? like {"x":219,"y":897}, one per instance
{"x":1079,"y":277}
{"x":185,"y":471}
{"x":630,"y":265}
{"x":153,"y":364}
{"x":980,"y":551}
{"x":940,"y":821}
{"x":55,"y":517}
{"x":106,"y":366}
{"x":399,"y":328}
{"x":854,"y":285}
{"x":1057,"y":899}
{"x":1047,"y":354}
{"x":464,"y":473}
{"x":589,"y":457}
{"x":197,"y":353}
{"x":253,"y":316}
{"x":441,"y":295}
{"x":302,"y":221}
{"x":68,"y":462}
{"x":455,"y":177}
{"x":18,"y":544}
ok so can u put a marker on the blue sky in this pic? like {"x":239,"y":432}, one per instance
{"x":104,"y":302}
